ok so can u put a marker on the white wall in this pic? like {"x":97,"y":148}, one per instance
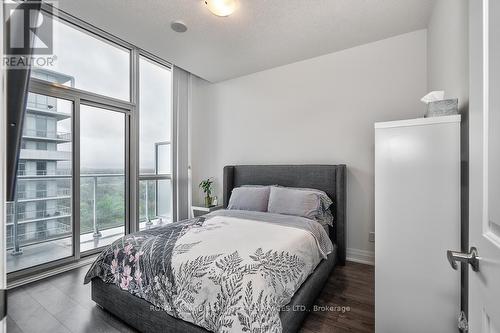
{"x":448,"y":49}
{"x":448,"y":57}
{"x":319,"y":110}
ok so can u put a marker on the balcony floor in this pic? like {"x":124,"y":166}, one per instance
{"x":42,"y":253}
{"x":37,"y":254}
{"x":88,"y":242}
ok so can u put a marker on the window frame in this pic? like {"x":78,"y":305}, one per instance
{"x":132,"y":136}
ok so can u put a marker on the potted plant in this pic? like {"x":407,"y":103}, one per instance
{"x":207,"y":187}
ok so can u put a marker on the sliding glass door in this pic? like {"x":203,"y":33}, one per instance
{"x":102,"y":177}
{"x":59,"y":133}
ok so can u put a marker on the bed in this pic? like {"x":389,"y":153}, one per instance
{"x":147,"y":317}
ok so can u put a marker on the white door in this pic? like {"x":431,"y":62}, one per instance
{"x":484,"y":171}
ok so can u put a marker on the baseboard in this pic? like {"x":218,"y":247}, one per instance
{"x":361,"y":256}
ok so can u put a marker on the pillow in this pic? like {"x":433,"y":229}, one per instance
{"x":325,"y":216}
{"x":290,"y":201}
{"x":253,"y":198}
{"x":309,"y":203}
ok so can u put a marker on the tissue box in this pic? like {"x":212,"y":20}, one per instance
{"x":442,"y":108}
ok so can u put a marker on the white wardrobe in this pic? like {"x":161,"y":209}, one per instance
{"x":417,"y":218}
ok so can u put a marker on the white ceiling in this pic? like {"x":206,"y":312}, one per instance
{"x":261,"y":34}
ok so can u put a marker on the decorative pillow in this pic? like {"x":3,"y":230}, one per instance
{"x":253,"y":198}
{"x":309,"y":203}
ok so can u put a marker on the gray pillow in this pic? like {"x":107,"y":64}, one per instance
{"x":291,"y":201}
{"x":319,"y":211}
{"x":253,"y":198}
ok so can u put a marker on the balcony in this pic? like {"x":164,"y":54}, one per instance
{"x":47,"y":110}
{"x":59,"y":173}
{"x":35,"y":195}
{"x":52,"y":136}
{"x":46,"y":155}
{"x":48,"y":237}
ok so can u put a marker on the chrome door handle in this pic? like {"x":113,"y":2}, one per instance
{"x":471,"y":258}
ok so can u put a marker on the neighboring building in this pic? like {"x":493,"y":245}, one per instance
{"x":44,"y":171}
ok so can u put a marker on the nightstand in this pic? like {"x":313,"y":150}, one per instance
{"x":201,"y":210}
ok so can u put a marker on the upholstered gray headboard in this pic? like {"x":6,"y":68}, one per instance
{"x":328,"y":178}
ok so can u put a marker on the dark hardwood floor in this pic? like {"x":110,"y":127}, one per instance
{"x":352,"y":288}
{"x":62,"y":304}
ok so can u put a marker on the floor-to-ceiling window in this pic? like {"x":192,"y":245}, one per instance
{"x":78,"y":187}
{"x":155,"y":148}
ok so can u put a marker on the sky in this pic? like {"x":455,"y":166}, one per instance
{"x":102,"y":68}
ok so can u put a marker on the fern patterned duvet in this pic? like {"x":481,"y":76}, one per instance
{"x":230,"y":271}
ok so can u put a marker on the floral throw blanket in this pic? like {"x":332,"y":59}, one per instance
{"x":230,"y":271}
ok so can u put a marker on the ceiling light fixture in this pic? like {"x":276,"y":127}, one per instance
{"x":221,"y":7}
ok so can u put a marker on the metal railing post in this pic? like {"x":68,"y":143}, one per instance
{"x":148,"y":220}
{"x":97,"y":233}
{"x":15,"y":234}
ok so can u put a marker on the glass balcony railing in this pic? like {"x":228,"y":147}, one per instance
{"x":43,"y":194}
{"x":49,"y":232}
{"x":43,"y":107}
{"x":45,"y":155}
{"x":47,"y":213}
{"x":47,"y":134}
{"x":155,"y":202}
{"x":102,"y":202}
{"x":29,"y":227}
{"x":44,"y":172}
{"x":102,"y":211}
